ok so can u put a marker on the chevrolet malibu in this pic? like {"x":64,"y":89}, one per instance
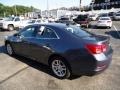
{"x":67,"y":49}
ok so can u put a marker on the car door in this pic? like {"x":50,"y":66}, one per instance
{"x":42,"y":45}
{"x":17,"y":22}
{"x":23,"y":40}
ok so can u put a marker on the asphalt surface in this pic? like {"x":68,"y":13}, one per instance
{"x":18,"y":73}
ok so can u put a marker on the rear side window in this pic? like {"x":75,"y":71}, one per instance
{"x":46,"y":33}
{"x":77,"y":31}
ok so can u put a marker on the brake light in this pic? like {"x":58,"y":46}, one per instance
{"x":96,"y":49}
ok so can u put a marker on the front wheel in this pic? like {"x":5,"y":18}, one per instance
{"x":60,"y":68}
{"x":9,"y":49}
{"x":10,"y":27}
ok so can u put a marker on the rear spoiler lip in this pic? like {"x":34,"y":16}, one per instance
{"x":106,"y":36}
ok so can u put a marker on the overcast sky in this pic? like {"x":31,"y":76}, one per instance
{"x":42,"y":4}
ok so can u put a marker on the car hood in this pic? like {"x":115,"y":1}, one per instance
{"x":7,"y":21}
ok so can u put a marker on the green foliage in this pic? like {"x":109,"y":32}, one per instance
{"x":13,"y":10}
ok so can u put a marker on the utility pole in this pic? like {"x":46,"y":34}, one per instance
{"x":80,"y":5}
{"x":15,"y":10}
{"x":107,"y":1}
{"x":47,"y":8}
{"x":92,"y":5}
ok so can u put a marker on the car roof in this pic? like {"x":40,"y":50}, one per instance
{"x":55,"y":25}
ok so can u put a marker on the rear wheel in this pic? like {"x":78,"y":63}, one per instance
{"x":60,"y":68}
{"x":10,"y":27}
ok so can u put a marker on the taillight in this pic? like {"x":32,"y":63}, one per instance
{"x":96,"y":49}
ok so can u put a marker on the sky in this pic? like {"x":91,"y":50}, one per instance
{"x":42,"y":4}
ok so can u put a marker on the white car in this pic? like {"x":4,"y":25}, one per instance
{"x":117,"y":16}
{"x":93,"y":17}
{"x":104,"y":22}
{"x":10,"y":23}
{"x":25,"y":23}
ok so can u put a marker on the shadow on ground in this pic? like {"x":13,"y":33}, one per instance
{"x":32,"y":63}
{"x":39,"y":66}
{"x":114,"y":34}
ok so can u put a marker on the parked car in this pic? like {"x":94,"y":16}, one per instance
{"x":63,"y":20}
{"x":93,"y":17}
{"x":10,"y":23}
{"x":66,"y":21}
{"x":102,"y":15}
{"x":117,"y":16}
{"x":25,"y":23}
{"x":104,"y":22}
{"x":67,"y":49}
{"x":83,"y":20}
{"x":111,"y":15}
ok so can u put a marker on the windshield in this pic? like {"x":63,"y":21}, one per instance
{"x":78,"y":31}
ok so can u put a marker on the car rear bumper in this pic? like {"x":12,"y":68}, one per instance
{"x":103,"y":25}
{"x":90,"y":65}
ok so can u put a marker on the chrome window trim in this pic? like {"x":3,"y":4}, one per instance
{"x":57,"y":37}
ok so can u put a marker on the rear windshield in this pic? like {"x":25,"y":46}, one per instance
{"x":78,"y":31}
{"x":104,"y":15}
{"x":82,"y":17}
{"x":104,"y":19}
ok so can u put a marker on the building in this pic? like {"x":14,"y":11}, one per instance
{"x":35,"y":14}
{"x":104,"y":4}
{"x":56,"y":13}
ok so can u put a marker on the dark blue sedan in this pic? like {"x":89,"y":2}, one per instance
{"x":67,"y":49}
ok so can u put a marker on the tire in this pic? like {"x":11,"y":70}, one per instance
{"x":9,"y":49}
{"x":10,"y":27}
{"x":60,"y":68}
{"x":109,"y":27}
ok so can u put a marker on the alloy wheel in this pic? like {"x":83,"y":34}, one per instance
{"x":59,"y":68}
{"x":9,"y":49}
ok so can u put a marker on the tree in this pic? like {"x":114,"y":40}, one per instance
{"x":7,"y":10}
